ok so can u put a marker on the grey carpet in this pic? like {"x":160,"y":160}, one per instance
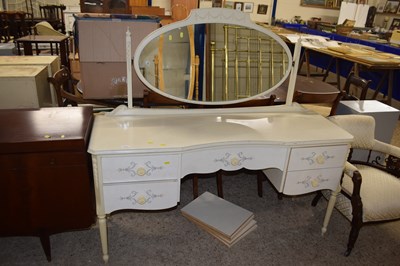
{"x":288,"y":233}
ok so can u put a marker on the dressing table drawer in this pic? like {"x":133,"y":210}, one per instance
{"x":301,"y":182}
{"x":141,"y":195}
{"x":140,"y":168}
{"x":248,"y":156}
{"x":317,"y":157}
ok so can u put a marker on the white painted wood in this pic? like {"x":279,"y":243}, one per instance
{"x":140,"y":168}
{"x":301,"y":182}
{"x":278,"y":138}
{"x":317,"y":157}
{"x":154,"y":195}
{"x":140,"y":154}
{"x":233,"y":158}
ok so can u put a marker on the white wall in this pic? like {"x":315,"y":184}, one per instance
{"x":287,"y":9}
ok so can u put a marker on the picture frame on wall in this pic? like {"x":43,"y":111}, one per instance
{"x":248,"y":7}
{"x":398,"y":10}
{"x":216,"y":3}
{"x":380,"y":7}
{"x":313,"y":3}
{"x":238,"y":6}
{"x":391,"y":6}
{"x":262,"y":9}
{"x":229,"y":4}
{"x":395,"y":24}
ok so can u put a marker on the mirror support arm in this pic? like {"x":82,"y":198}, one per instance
{"x":293,"y":73}
{"x":129,"y":67}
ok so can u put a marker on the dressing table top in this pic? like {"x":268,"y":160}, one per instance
{"x":179,"y":130}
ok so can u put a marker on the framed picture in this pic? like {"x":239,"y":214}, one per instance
{"x":238,"y":6}
{"x":262,"y":9}
{"x":395,"y":24}
{"x":381,"y":6}
{"x":229,"y":4}
{"x":398,"y":10}
{"x":216,"y":3}
{"x":248,"y":7}
{"x":315,"y":3}
{"x":391,"y":6}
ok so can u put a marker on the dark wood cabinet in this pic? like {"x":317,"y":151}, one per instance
{"x":45,"y":172}
{"x":105,"y":6}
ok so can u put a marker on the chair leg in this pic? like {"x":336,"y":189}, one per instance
{"x":219,"y":184}
{"x":317,"y":197}
{"x":357,"y":212}
{"x":45,"y":241}
{"x":355,"y":230}
{"x":260,"y":179}
{"x":195,"y":181}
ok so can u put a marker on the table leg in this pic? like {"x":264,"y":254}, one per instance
{"x":27,"y":48}
{"x":338,"y":74}
{"x":103,"y":236}
{"x":390,"y":87}
{"x":329,"y":209}
{"x":307,"y":54}
{"x":64,"y":53}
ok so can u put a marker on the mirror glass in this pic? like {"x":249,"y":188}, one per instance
{"x":212,"y":62}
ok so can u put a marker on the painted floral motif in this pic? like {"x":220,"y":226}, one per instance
{"x":315,"y":158}
{"x":234,"y":160}
{"x":141,"y":199}
{"x":312,"y":181}
{"x":133,"y":170}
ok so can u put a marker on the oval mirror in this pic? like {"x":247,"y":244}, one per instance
{"x":215,"y":56}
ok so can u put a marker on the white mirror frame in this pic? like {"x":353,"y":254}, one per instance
{"x":212,"y":15}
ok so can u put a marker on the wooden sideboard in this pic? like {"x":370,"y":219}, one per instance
{"x":150,"y":150}
{"x":45,"y":182}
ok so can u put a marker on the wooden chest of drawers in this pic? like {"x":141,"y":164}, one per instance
{"x":45,"y":181}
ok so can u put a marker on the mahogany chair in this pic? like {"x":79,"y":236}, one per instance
{"x":4,"y":28}
{"x":356,"y":88}
{"x":64,"y":85}
{"x":370,"y":189}
{"x":54,"y":14}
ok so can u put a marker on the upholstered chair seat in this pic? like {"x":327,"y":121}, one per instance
{"x":370,"y":189}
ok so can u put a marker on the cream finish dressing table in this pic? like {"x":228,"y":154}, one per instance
{"x":140,"y":155}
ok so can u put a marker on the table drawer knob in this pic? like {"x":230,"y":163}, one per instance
{"x":141,"y":200}
{"x":320,"y":159}
{"x":235,"y":161}
{"x":141,"y":171}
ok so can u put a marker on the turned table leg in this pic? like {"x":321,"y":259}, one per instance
{"x":103,"y":236}
{"x":329,"y":209}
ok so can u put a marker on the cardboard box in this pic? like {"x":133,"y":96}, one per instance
{"x":104,"y":40}
{"x":108,"y":80}
{"x":102,"y":55}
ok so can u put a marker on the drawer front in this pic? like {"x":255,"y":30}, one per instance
{"x":42,"y":160}
{"x":317,"y":157}
{"x":301,"y":182}
{"x":140,"y":168}
{"x":250,"y":157}
{"x":141,"y":195}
